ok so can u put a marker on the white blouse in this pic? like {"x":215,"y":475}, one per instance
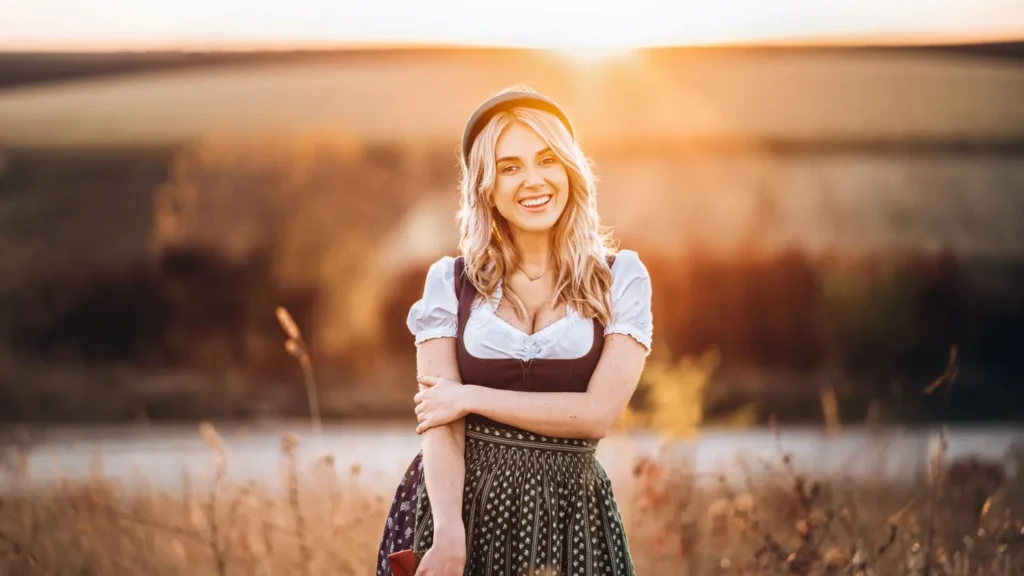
{"x":435,"y":315}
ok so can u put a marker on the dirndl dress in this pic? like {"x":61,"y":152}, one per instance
{"x":532,"y":504}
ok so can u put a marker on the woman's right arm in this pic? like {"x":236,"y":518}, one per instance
{"x":444,"y":462}
{"x":433,"y":320}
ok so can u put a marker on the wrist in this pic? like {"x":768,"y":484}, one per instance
{"x":449,"y":529}
{"x":468,"y":400}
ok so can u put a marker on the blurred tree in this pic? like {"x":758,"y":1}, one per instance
{"x":672,"y":395}
{"x":318,"y":204}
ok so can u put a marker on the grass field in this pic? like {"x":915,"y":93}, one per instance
{"x":964,"y":520}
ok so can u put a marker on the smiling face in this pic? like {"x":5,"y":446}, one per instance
{"x":531,"y":186}
{"x":509,"y":165}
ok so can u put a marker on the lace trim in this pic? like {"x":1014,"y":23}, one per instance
{"x":640,"y":335}
{"x":438,"y":332}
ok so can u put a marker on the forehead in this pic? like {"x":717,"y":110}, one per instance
{"x":518,"y":140}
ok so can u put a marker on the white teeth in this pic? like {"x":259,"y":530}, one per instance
{"x":536,"y":201}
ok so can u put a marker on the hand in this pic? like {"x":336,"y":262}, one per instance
{"x":440,"y":401}
{"x":447,"y":554}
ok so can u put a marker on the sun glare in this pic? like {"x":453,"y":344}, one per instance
{"x":594,"y":36}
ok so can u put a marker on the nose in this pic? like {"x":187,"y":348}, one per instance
{"x":533,"y":178}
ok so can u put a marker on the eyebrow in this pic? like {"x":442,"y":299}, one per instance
{"x":511,"y":158}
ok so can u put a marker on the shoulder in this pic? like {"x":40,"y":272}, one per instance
{"x":434,"y":314}
{"x":443,"y":264}
{"x":442,"y":269}
{"x":440,"y":280}
{"x":631,"y":299}
{"x":628,"y":267}
{"x":631,"y":284}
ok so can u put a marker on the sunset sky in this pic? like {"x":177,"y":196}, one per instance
{"x":155,"y":24}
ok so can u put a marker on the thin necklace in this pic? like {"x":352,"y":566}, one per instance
{"x":533,"y":278}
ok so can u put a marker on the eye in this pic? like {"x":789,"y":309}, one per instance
{"x":548,"y":160}
{"x":509,"y":168}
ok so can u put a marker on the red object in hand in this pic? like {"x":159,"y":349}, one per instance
{"x":403,"y":563}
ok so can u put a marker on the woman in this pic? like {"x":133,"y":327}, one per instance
{"x":529,"y":345}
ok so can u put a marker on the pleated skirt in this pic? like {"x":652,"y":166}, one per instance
{"x":532,"y":505}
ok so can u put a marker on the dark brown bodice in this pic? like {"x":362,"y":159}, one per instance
{"x":539,"y":375}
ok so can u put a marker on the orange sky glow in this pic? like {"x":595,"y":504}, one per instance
{"x":566,"y":24}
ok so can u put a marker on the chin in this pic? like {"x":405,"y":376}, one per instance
{"x":535,"y":225}
{"x":538,"y":223}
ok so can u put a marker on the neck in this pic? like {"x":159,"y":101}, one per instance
{"x":534,"y":252}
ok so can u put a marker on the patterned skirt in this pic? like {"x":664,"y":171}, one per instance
{"x":532,"y":505}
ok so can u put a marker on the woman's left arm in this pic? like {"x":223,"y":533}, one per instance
{"x":589,"y":414}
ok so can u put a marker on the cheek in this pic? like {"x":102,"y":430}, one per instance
{"x":560,"y":178}
{"x":504,"y":191}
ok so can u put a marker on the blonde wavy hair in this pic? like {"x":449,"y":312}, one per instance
{"x":580,"y":244}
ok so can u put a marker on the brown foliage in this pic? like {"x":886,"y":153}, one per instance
{"x":776,"y":522}
{"x":783,"y":522}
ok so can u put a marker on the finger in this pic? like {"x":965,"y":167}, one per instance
{"x":424,"y":425}
{"x":420,"y":408}
{"x":418,"y":397}
{"x":427,"y":380}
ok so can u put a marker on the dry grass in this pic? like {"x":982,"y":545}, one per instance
{"x":780,"y":521}
{"x":777,"y":521}
{"x":963,"y":520}
{"x":323,"y":523}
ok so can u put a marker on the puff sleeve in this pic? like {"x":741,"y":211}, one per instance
{"x":435,"y":314}
{"x":631,"y":299}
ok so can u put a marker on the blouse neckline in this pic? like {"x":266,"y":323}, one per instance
{"x":492,"y":307}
